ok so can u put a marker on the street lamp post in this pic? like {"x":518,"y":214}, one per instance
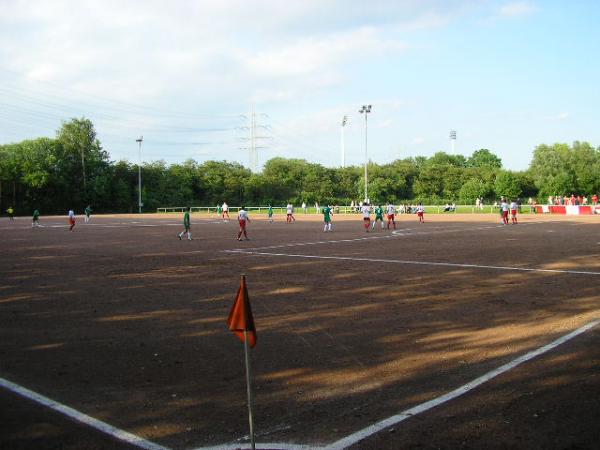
{"x":139,"y":141}
{"x":344,"y":122}
{"x":366,"y":109}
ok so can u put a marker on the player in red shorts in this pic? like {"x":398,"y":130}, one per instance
{"x":366,"y":212}
{"x":513,"y":212}
{"x":420,"y":212}
{"x":290,"y":213}
{"x":71,"y":219}
{"x":391,"y":212}
{"x":242,"y":219}
{"x":504,"y":209}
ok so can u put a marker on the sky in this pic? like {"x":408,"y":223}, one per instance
{"x":189,"y":76}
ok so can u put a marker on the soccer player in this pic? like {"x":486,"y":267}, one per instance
{"x":71,"y":220}
{"x":11,"y":213}
{"x":378,"y":216}
{"x":186,"y":224}
{"x":290,"y":213}
{"x":88,"y":213}
{"x":36,"y":219}
{"x":225,"y":212}
{"x":366,"y":212}
{"x":242,"y":219}
{"x":420,"y":212}
{"x":327,"y":213}
{"x":514,"y":206}
{"x":504,"y":211}
{"x":270,"y":214}
{"x":391,"y":211}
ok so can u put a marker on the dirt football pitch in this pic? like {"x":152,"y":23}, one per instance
{"x":456,"y":333}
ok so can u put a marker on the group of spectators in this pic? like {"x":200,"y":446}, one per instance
{"x":572,"y":200}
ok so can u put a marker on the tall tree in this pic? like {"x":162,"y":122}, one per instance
{"x":82,"y":157}
{"x":484,"y":158}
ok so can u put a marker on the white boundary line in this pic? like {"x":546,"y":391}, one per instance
{"x":105,"y":428}
{"x":408,"y":413}
{"x":392,"y":234}
{"x":417,"y":263}
{"x":269,"y":446}
{"x":337,"y":445}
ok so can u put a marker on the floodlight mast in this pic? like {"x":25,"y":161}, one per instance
{"x":139,"y":141}
{"x":452,"y":139}
{"x":344,"y":122}
{"x":366,"y":109}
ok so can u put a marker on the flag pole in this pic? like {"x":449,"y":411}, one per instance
{"x":249,"y":388}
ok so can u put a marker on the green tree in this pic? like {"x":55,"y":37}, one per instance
{"x":585,"y":165}
{"x":429,"y":182}
{"x":552,"y":171}
{"x":508,"y":185}
{"x":484,"y":158}
{"x":442,"y":159}
{"x":80,"y":157}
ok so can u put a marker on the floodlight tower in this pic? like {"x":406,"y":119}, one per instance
{"x":366,"y":109}
{"x":452,"y":140}
{"x":344,"y":122}
{"x":139,"y":141}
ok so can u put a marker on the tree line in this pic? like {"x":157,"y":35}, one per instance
{"x":74,"y":170}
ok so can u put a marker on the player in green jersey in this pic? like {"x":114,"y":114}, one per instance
{"x":327,"y":213}
{"x":270,"y":213}
{"x":378,"y":216}
{"x":88,"y":213}
{"x":11,"y":213}
{"x":186,"y":224}
{"x":36,"y":219}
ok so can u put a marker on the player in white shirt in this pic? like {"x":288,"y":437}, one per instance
{"x":513,"y":212}
{"x":242,"y":219}
{"x":71,"y":219}
{"x":290,"y":213}
{"x":504,"y":209}
{"x":420,"y":212}
{"x":391,"y":212}
{"x":366,"y":212}
{"x":225,"y":212}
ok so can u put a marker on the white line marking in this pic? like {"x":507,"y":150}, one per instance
{"x":270,"y":446}
{"x":417,"y":263}
{"x":80,"y":417}
{"x":302,"y":244}
{"x":337,"y":445}
{"x":394,"y":233}
{"x":406,"y":414}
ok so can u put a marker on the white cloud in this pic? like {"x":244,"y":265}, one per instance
{"x":563,"y":115}
{"x":515,"y":9}
{"x":314,"y":54}
{"x":418,"y":141}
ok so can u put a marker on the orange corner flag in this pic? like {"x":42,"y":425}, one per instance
{"x":240,"y":317}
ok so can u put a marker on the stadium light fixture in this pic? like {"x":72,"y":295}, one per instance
{"x":140,"y":204}
{"x":344,"y":123}
{"x":366,"y":109}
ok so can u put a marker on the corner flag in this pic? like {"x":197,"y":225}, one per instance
{"x":240,"y":318}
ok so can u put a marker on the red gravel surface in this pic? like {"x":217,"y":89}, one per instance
{"x":126,"y":323}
